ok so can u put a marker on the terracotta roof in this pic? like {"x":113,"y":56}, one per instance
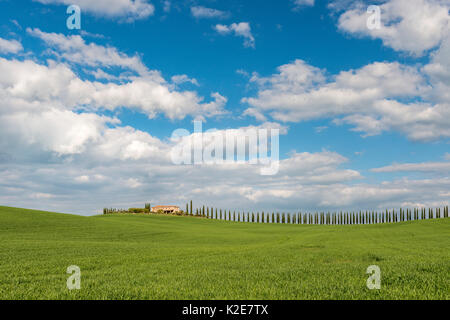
{"x":165,"y":207}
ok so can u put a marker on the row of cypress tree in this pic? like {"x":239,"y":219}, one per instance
{"x":330,"y":218}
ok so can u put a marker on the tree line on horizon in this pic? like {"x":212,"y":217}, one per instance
{"x":324,"y":218}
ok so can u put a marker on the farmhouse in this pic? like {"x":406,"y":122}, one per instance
{"x":166,"y":209}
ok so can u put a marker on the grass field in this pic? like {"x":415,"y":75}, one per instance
{"x":166,"y":257}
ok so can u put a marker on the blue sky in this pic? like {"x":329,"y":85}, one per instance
{"x":363,"y":110}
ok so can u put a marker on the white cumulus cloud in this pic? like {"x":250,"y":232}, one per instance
{"x":413,"y":26}
{"x":10,"y":46}
{"x":241,"y":29}
{"x":125,"y":10}
{"x":200,"y":12}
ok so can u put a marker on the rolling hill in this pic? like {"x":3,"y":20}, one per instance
{"x":168,"y":257}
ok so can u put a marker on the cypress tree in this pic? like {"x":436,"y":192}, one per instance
{"x":191,"y":212}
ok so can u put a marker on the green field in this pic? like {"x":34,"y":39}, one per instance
{"x":168,"y":257}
